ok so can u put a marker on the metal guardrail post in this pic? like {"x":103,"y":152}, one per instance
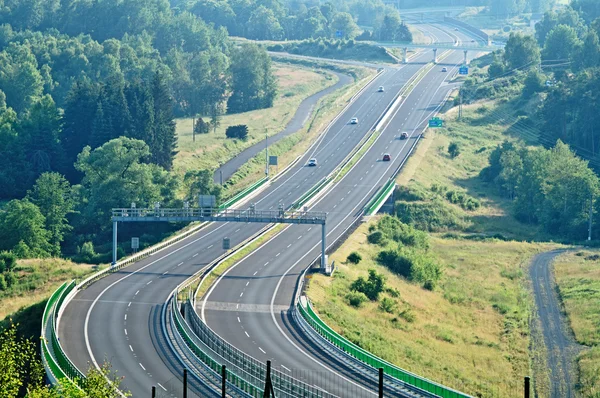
{"x":223,"y":381}
{"x":380,"y":382}
{"x":526,"y":387}
{"x":153,"y":391}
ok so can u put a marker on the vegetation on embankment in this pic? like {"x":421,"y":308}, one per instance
{"x":470,"y":329}
{"x":578,"y":278}
{"x":337,"y":49}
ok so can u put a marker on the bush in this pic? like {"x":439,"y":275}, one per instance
{"x":375,"y":237}
{"x":239,"y":131}
{"x":408,"y":315}
{"x":392,"y":291}
{"x":388,"y":305}
{"x":3,"y":284}
{"x":430,"y":216}
{"x":396,"y":230}
{"x":356,"y":299}
{"x":8,"y":261}
{"x":453,"y":150}
{"x":354,"y":258}
{"x":201,"y":127}
{"x":413,"y":266}
{"x":371,"y":287}
{"x":396,"y":262}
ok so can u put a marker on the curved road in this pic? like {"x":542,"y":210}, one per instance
{"x":303,"y":113}
{"x":249,"y":306}
{"x":115,"y":318}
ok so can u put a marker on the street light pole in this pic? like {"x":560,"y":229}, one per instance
{"x":590,"y":218}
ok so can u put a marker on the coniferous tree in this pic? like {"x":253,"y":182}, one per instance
{"x":164,"y":143}
{"x":78,"y":121}
{"x":102,"y":129}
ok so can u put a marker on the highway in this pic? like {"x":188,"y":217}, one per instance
{"x":116,"y":318}
{"x":249,"y":306}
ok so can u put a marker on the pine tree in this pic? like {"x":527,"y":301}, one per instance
{"x":102,"y":129}
{"x":78,"y":118}
{"x":165,"y":141}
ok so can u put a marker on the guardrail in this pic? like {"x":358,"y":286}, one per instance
{"x":352,"y":349}
{"x":381,"y":196}
{"x":469,"y":28}
{"x":56,"y":363}
{"x":242,"y":194}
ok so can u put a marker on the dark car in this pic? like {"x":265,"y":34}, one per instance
{"x":386,"y":157}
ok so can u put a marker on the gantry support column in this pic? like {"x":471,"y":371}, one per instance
{"x":435,"y":59}
{"x":323,"y":248}
{"x":466,"y":60}
{"x":405,"y":56}
{"x":114,"y":248}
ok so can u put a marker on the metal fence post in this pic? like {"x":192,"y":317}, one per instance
{"x":185,"y":372}
{"x":223,"y":381}
{"x":527,"y":388}
{"x":380,"y":382}
{"x":153,"y":391}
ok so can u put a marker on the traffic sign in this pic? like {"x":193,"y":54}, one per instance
{"x":436,"y":122}
{"x":463,"y":70}
{"x":339,"y":33}
{"x":135,"y":243}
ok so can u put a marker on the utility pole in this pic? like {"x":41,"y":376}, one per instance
{"x":267,"y":154}
{"x":194,"y":128}
{"x":590,"y":218}
{"x":460,"y":103}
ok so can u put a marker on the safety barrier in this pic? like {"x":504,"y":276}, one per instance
{"x":469,"y":28}
{"x":352,"y":349}
{"x":242,"y":194}
{"x":311,"y":192}
{"x":56,"y":363}
{"x":377,"y":200}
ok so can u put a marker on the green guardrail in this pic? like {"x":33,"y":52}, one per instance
{"x":311,"y":192}
{"x":210,"y":362}
{"x":57,"y":372}
{"x":364,"y":356}
{"x":242,"y":194}
{"x":379,"y":197}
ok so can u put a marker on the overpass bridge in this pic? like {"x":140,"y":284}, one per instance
{"x":477,"y":46}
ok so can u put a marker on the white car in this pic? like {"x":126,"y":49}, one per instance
{"x":444,"y":69}
{"x":380,"y":89}
{"x":354,"y":120}
{"x":312,"y":162}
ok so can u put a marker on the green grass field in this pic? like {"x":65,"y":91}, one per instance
{"x":472,"y":332}
{"x":578,"y":277}
{"x":209,"y":150}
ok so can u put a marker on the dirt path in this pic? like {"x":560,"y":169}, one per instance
{"x":558,"y":337}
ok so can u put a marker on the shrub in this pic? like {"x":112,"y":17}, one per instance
{"x":392,"y":291}
{"x":371,"y":287}
{"x":11,"y":278}
{"x":8,"y":261}
{"x":413,"y":266}
{"x":354,"y":258}
{"x":375,"y":237}
{"x":239,"y":131}
{"x":356,"y":299}
{"x":388,"y":305}
{"x":3,"y":284}
{"x":453,"y":150}
{"x":396,"y":262}
{"x":201,"y":127}
{"x":430,"y":216}
{"x":396,"y":230}
{"x":408,"y":315}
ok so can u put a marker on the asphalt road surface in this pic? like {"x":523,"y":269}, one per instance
{"x":116,"y":317}
{"x":300,"y":118}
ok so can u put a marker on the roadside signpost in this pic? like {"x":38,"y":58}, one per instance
{"x":436,"y":122}
{"x":463,"y":70}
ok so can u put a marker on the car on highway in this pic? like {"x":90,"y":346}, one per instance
{"x":354,"y":120}
{"x":444,"y":69}
{"x":312,"y":162}
{"x":456,"y":29}
{"x":404,"y":135}
{"x":386,"y":157}
{"x":380,"y":89}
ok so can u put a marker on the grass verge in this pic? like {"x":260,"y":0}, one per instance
{"x":578,"y":278}
{"x":472,"y":332}
{"x":210,"y":150}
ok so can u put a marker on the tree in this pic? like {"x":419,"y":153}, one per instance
{"x":453,"y":150}
{"x":521,"y":51}
{"x":391,"y":28}
{"x":200,"y":182}
{"x":201,"y":127}
{"x":115,"y":175}
{"x":52,"y":195}
{"x":164,"y":141}
{"x":589,"y":54}
{"x":263,"y":25}
{"x":561,"y":44}
{"x":22,"y":223}
{"x":252,"y":80}
{"x":240,"y":132}
{"x":344,"y":23}
{"x":534,"y":83}
{"x":20,"y":369}
{"x":20,"y":78}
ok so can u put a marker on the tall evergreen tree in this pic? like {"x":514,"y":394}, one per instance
{"x":78,"y":121}
{"x":102,"y":129}
{"x":164,"y":140}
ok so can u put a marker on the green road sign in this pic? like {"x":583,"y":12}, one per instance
{"x":436,"y":122}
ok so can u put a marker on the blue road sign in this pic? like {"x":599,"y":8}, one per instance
{"x":339,"y":33}
{"x":436,"y":122}
{"x":463,"y":70}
